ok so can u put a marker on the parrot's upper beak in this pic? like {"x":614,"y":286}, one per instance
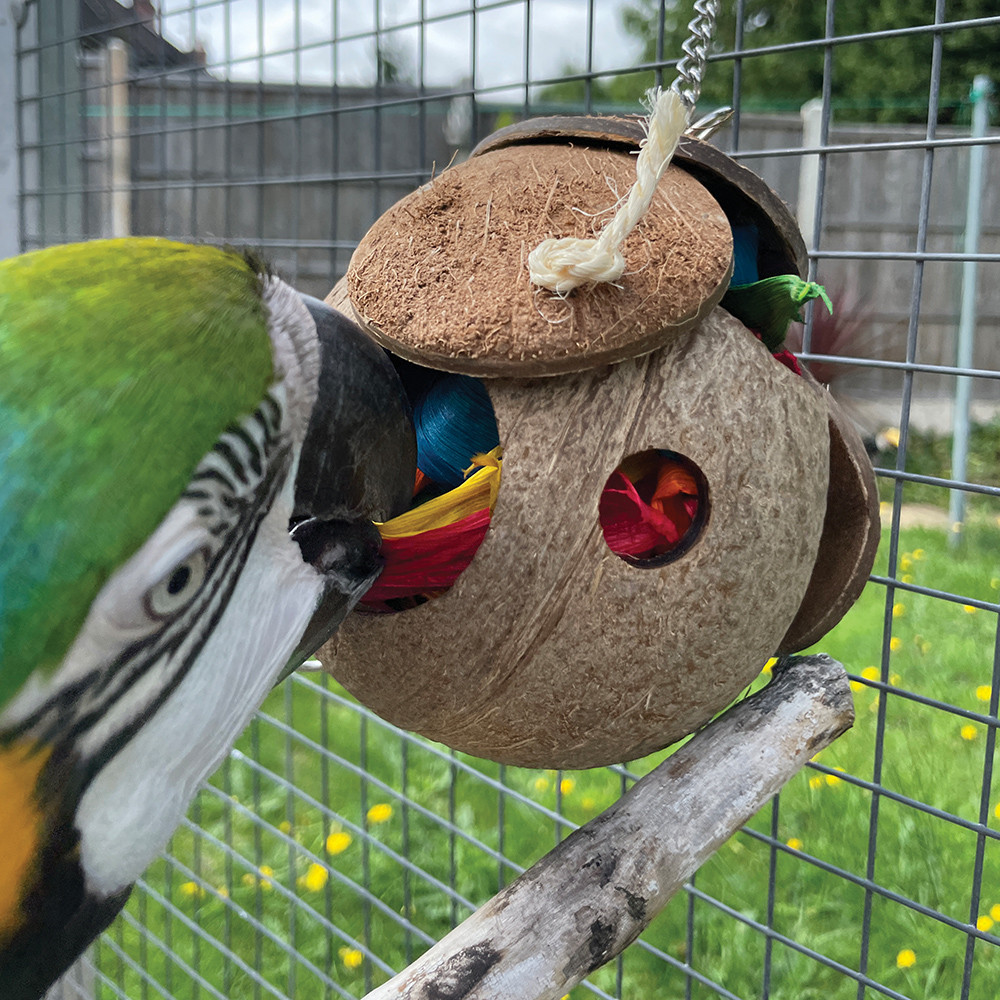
{"x":357,"y":466}
{"x":360,"y":453}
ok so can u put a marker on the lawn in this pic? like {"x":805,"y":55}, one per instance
{"x":328,"y":850}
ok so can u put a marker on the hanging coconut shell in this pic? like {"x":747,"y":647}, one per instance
{"x":550,"y":650}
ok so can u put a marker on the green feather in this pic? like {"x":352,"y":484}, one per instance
{"x":121,"y":362}
{"x":769,"y":305}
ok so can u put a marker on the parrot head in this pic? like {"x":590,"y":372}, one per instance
{"x":191,"y":458}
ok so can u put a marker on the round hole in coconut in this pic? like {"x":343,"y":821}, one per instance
{"x":654,"y":507}
{"x":428,"y":547}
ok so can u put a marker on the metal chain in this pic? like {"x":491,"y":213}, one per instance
{"x":691,"y":68}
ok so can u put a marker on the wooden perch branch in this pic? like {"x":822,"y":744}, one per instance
{"x":585,"y":901}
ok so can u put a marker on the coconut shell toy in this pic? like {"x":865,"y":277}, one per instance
{"x":629,"y":495}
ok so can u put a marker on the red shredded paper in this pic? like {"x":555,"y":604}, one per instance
{"x":648,"y":518}
{"x":428,"y":561}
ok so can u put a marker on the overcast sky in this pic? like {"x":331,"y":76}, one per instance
{"x":557,"y":38}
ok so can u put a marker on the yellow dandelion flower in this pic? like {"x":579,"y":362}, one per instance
{"x":968,"y":732}
{"x":969,"y":609}
{"x":248,"y":879}
{"x":285,"y":827}
{"x":588,"y":803}
{"x":917,"y":555}
{"x":541,"y":784}
{"x":894,"y":679}
{"x":794,"y":843}
{"x":906,"y":578}
{"x":873,"y":707}
{"x":222,"y":891}
{"x":906,"y":959}
{"x":191,"y":889}
{"x":870,"y":673}
{"x":338,"y":842}
{"x":984,"y":923}
{"x":898,"y":610}
{"x":995,"y":912}
{"x":905,"y":562}
{"x":315,"y":878}
{"x":379,"y":812}
{"x":995,"y":582}
{"x":567,"y":785}
{"x":769,"y":666}
{"x":856,"y":685}
{"x":924,"y":645}
{"x":815,"y":782}
{"x":832,"y":779}
{"x":266,"y":874}
{"x":984,"y":692}
{"x":351,"y":957}
{"x":996,"y":810}
{"x":895,"y":644}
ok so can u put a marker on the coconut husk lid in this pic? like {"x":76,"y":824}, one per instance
{"x":742,"y":194}
{"x":442,"y":277}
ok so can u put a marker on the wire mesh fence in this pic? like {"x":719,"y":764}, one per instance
{"x":331,"y":849}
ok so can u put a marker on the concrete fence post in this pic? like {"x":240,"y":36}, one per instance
{"x":10,"y":180}
{"x":811,"y":114}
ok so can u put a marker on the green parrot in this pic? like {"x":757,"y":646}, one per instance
{"x":191,"y":458}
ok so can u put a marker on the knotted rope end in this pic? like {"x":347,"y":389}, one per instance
{"x":561,"y":265}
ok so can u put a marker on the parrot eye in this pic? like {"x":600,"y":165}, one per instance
{"x":176,"y":588}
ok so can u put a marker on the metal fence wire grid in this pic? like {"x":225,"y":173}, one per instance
{"x":331,"y":849}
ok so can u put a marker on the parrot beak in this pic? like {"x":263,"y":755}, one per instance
{"x":357,"y":466}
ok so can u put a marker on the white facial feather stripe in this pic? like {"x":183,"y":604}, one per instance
{"x":136,"y":801}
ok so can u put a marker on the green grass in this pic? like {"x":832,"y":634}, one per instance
{"x":203,"y":896}
{"x":928,"y":453}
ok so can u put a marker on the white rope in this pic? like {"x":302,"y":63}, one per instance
{"x":563,"y":264}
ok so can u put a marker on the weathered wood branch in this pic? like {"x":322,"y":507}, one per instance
{"x":585,"y":901}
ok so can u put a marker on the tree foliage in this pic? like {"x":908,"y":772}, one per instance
{"x":875,"y":78}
